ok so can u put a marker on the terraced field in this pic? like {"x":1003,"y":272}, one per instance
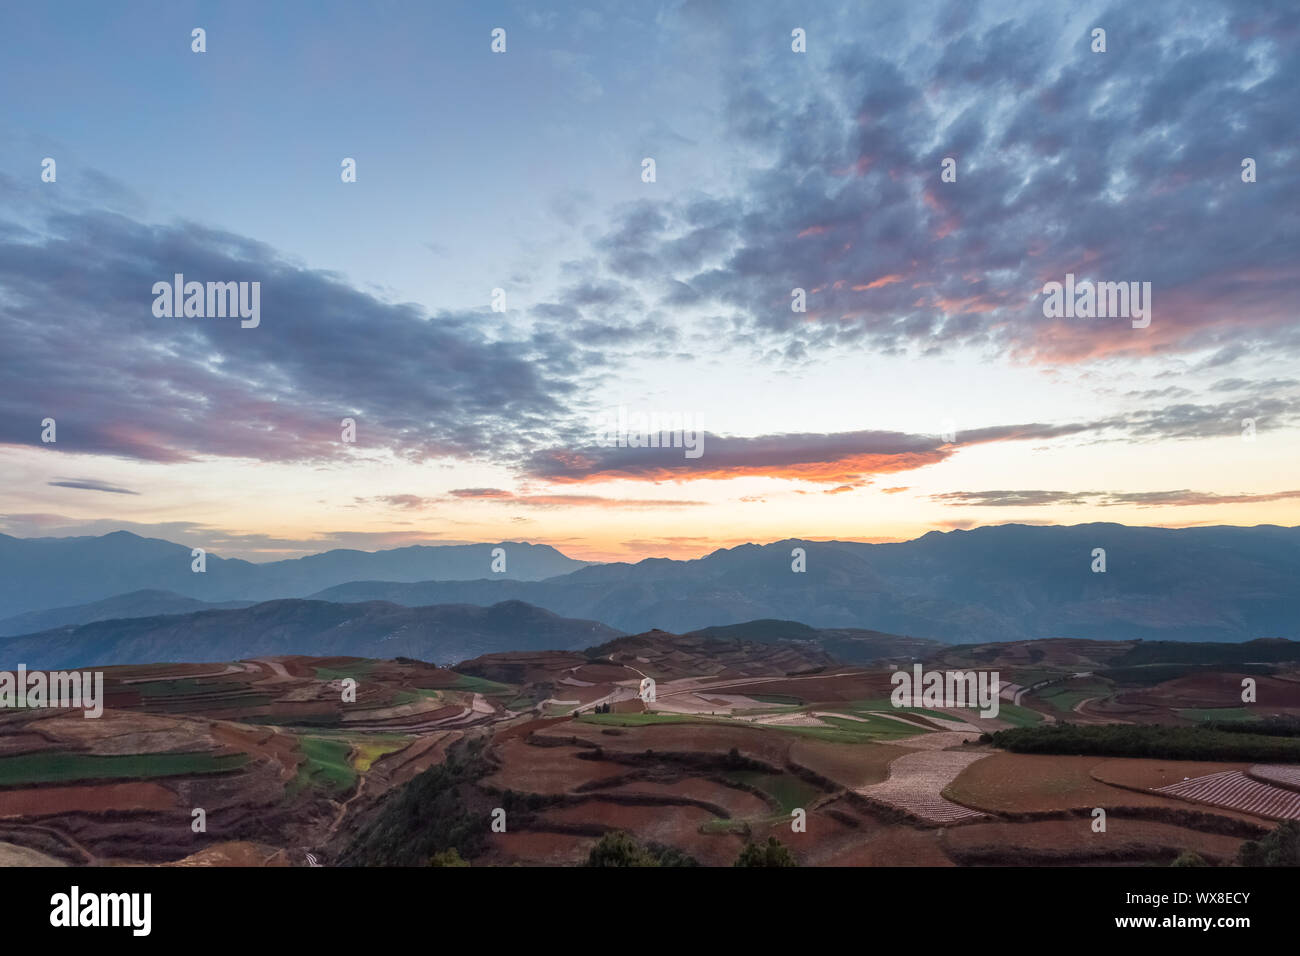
{"x":916,"y":784}
{"x":1237,"y":791}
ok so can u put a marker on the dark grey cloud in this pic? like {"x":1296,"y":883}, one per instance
{"x":1033,"y":499}
{"x":91,"y":484}
{"x":1122,"y":165}
{"x":81,"y":345}
{"x":843,"y":458}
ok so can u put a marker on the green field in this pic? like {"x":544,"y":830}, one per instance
{"x":725,"y":826}
{"x":359,"y":669}
{"x":1067,"y":695}
{"x":638,"y":720}
{"x":1216,"y":713}
{"x":481,"y":685}
{"x":846,"y":731}
{"x":376,"y":747}
{"x":327,"y":766}
{"x":403,"y":697}
{"x":69,"y":768}
{"x":789,"y":791}
{"x":884,"y":705}
{"x":1018,"y":716}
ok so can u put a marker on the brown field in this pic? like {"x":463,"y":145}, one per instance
{"x":849,"y":765}
{"x":676,"y":826}
{"x":539,"y":848}
{"x":38,"y":802}
{"x":1073,"y":841}
{"x":1216,"y":690}
{"x":1152,"y":774}
{"x":770,"y":746}
{"x":740,"y":804}
{"x":892,"y":846}
{"x":876,"y":804}
{"x":238,"y":853}
{"x":531,"y":769}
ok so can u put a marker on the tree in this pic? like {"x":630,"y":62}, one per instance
{"x":616,"y":848}
{"x":448,"y":857}
{"x":1189,"y":858}
{"x":771,"y":853}
{"x":1279,"y":848}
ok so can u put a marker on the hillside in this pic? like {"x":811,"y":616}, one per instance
{"x":42,"y":573}
{"x":442,"y":634}
{"x":1004,"y":583}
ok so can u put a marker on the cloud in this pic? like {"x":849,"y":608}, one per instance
{"x":408,"y":502}
{"x":91,"y":484}
{"x":1145,"y":499}
{"x":844,"y":458}
{"x":1123,"y":166}
{"x":568,"y":501}
{"x":82,"y":346}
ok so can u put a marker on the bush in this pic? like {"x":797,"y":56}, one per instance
{"x":771,"y":853}
{"x":1279,"y":848}
{"x":427,"y":817}
{"x":448,"y":857}
{"x":616,"y":848}
{"x":1149,"y":740}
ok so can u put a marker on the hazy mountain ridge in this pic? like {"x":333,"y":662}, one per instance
{"x":148,"y":602}
{"x":39,"y":574}
{"x":1002,"y":583}
{"x":1009,"y":582}
{"x":443,"y":634}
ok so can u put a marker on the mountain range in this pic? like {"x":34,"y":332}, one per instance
{"x":998,"y":583}
{"x":42,"y":573}
{"x":442,"y":635}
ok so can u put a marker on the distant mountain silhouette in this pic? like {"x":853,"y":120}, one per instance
{"x":442,"y":635}
{"x":146,"y":603}
{"x":38,"y":574}
{"x":1009,"y":582}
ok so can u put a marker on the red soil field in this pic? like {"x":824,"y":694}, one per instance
{"x":1216,"y":690}
{"x":531,"y":769}
{"x":675,"y":826}
{"x":850,"y":765}
{"x":1024,"y":783}
{"x":739,"y":803}
{"x":1074,"y":839}
{"x":1146,"y":774}
{"x":767,"y":745}
{"x":49,"y":801}
{"x":893,"y":846}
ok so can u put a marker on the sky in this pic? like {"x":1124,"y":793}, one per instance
{"x":923,"y":387}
